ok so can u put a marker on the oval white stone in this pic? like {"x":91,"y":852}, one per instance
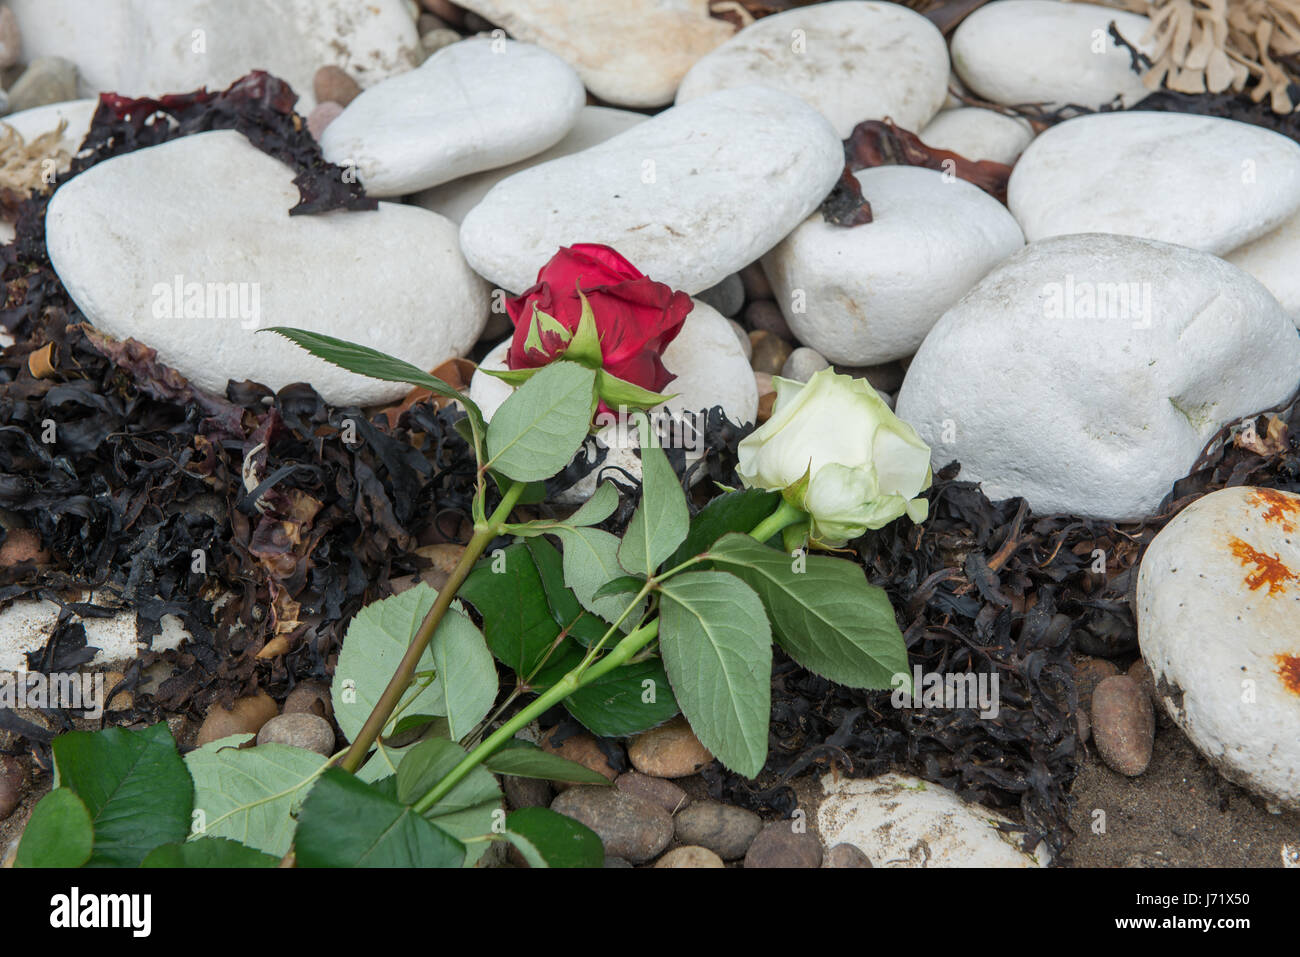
{"x":711,"y":370}
{"x":1086,"y":373}
{"x":212,"y":211}
{"x":870,"y":293}
{"x":690,"y":196}
{"x":472,"y":106}
{"x":149,"y":47}
{"x":902,"y":821}
{"x":852,"y":60}
{"x":1198,"y":181}
{"x":1272,"y":259}
{"x":1218,"y":602}
{"x":979,"y":134}
{"x":1043,"y":51}
{"x":595,"y":125}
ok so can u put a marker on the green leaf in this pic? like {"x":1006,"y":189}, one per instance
{"x":738,"y":511}
{"x":561,"y":841}
{"x":539,"y":429}
{"x":133,"y":784}
{"x":208,"y":852}
{"x":618,"y":392}
{"x":517,"y":618}
{"x":827,"y":616}
{"x":596,"y":509}
{"x":532,"y":762}
{"x":467,"y":810}
{"x":249,"y":795}
{"x":377,"y":639}
{"x":585,"y":347}
{"x":584,"y":627}
{"x":515,"y":377}
{"x":378,"y":365}
{"x":717,"y":650}
{"x":625,"y":585}
{"x":59,"y":833}
{"x":531,"y":855}
{"x":662,"y":519}
{"x":590,"y":560}
{"x":627,"y":700}
{"x":348,"y":823}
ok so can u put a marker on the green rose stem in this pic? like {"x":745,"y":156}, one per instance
{"x":587,"y":671}
{"x":484,"y":533}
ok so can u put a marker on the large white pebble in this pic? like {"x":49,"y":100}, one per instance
{"x":1218,"y":602}
{"x":472,"y":106}
{"x":213,"y":211}
{"x":979,"y":134}
{"x":902,"y":821}
{"x":868,"y":294}
{"x":1017,"y":52}
{"x":1198,"y":181}
{"x":1272,"y":259}
{"x":690,"y":196}
{"x":1086,"y":373}
{"x":851,"y":59}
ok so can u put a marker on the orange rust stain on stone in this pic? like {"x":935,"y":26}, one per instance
{"x":1288,"y":669}
{"x":1269,"y":569}
{"x":1280,"y":508}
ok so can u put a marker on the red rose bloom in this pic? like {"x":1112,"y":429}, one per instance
{"x":636,"y":317}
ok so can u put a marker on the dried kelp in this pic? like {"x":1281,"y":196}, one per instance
{"x":881,"y":143}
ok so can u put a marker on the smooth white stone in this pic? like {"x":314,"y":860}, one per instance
{"x":213,"y":209}
{"x":690,"y":196}
{"x":979,"y":134}
{"x":150,"y":47}
{"x":1219,"y":633}
{"x":595,"y":125}
{"x":1016,"y":52}
{"x":26,"y":625}
{"x":1272,"y":259}
{"x":711,"y":370}
{"x":474,"y":105}
{"x":868,"y":294}
{"x":902,"y":821}
{"x":1198,"y":181}
{"x":1096,"y":410}
{"x":852,"y":60}
{"x":628,"y":52}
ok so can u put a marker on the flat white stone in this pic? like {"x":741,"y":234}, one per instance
{"x":26,"y":625}
{"x":1272,"y":259}
{"x":690,"y":196}
{"x":1198,"y":181}
{"x":711,"y":370}
{"x":1016,"y":52}
{"x":595,"y":125}
{"x":628,"y":52}
{"x":1218,"y":601}
{"x":852,"y":60}
{"x":1086,"y":373}
{"x":472,"y":106}
{"x":868,"y":294}
{"x":212,"y":210}
{"x":149,"y":47}
{"x":979,"y":134}
{"x":902,"y":821}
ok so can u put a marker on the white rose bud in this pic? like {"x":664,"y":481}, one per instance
{"x":835,"y":450}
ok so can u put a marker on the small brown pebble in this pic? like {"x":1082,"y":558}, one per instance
{"x":580,"y":747}
{"x":22,"y":544}
{"x":246,"y":717}
{"x":780,"y":845}
{"x":768,"y":352}
{"x":846,"y":855}
{"x":1088,"y":673}
{"x":310,"y":697}
{"x":306,"y":731}
{"x":12,"y":778}
{"x":1139,"y":671}
{"x":725,"y":830}
{"x":690,"y":856}
{"x":668,"y":751}
{"x":765,"y":316}
{"x":1123,"y":725}
{"x":445,"y":9}
{"x":1084,"y":725}
{"x":321,"y":116}
{"x":332,"y":84}
{"x":755,"y":282}
{"x":526,"y":792}
{"x":629,"y":827}
{"x":659,"y":790}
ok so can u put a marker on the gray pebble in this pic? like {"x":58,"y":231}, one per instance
{"x":47,"y":79}
{"x":725,"y":830}
{"x":846,"y":855}
{"x":630,"y":827}
{"x":302,"y":730}
{"x":526,"y":792}
{"x":657,"y":790}
{"x":803,"y":363}
{"x":728,"y":296}
{"x":765,"y":315}
{"x":779,"y":845}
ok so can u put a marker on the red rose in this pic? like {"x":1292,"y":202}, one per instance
{"x":636,"y":317}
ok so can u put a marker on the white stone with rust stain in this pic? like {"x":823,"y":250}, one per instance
{"x":1272,"y":259}
{"x":868,"y":294}
{"x":595,"y":125}
{"x":1041,"y":51}
{"x":689,"y":197}
{"x":474,"y":105}
{"x":628,"y":52}
{"x":211,"y":208}
{"x":978,"y":134}
{"x":853,"y":60}
{"x":903,"y":821}
{"x":711,"y":370}
{"x":1218,"y":609}
{"x":150,"y":47}
{"x":1198,"y":181}
{"x":1098,"y":416}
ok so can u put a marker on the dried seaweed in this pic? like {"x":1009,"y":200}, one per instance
{"x":881,"y":143}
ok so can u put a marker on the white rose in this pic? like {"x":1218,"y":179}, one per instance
{"x":835,"y":450}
